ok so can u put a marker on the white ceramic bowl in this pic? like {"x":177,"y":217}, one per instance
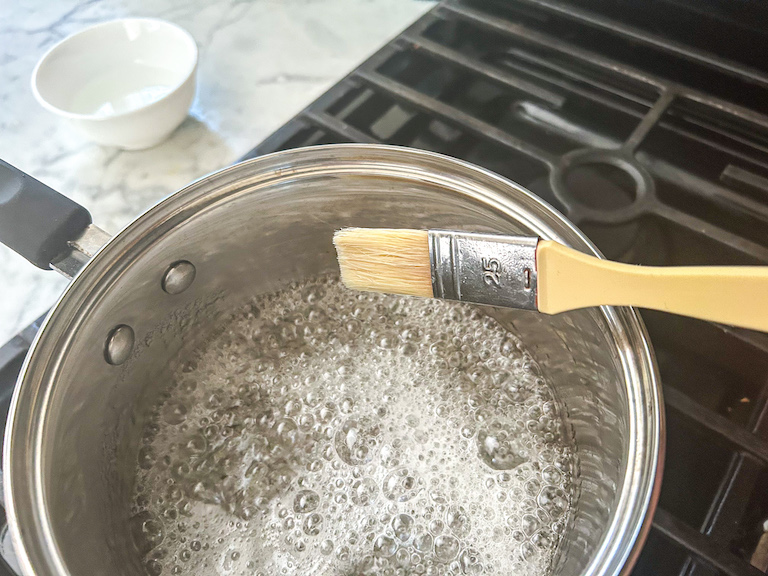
{"x":127,"y":83}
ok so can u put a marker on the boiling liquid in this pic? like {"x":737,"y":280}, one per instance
{"x":330,"y":432}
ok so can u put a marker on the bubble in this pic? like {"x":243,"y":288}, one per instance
{"x":287,"y":431}
{"x":154,"y":568}
{"x":347,"y":405}
{"x":553,"y":500}
{"x":327,"y":412}
{"x":356,"y":441}
{"x":401,"y":485}
{"x":423,"y":542}
{"x":211,"y":431}
{"x":446,"y":547}
{"x":147,"y":457}
{"x":313,"y":523}
{"x":306,"y":421}
{"x":174,"y":412}
{"x":305,"y":501}
{"x":457,"y":520}
{"x":527,"y":551}
{"x":529,"y":523}
{"x":436,"y":526}
{"x":437,"y":496}
{"x":197,"y":444}
{"x":543,"y":539}
{"x":326,"y":547}
{"x":148,"y":532}
{"x":390,"y":457}
{"x":551,"y":475}
{"x":363,"y":491}
{"x":311,"y":294}
{"x":384,"y":546}
{"x":402,"y":524}
{"x":532,"y":487}
{"x":469,"y":560}
{"x":498,"y":449}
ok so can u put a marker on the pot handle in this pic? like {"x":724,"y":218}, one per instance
{"x":35,"y":220}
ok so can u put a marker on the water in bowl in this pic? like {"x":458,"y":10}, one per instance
{"x":330,"y":432}
{"x":121,"y":90}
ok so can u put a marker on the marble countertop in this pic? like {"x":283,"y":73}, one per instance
{"x":261,"y":62}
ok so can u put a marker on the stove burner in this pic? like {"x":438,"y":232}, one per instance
{"x":602,"y":186}
{"x":598,"y":185}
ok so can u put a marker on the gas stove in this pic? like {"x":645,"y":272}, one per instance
{"x":646,"y":125}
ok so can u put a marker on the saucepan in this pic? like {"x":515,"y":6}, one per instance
{"x":139,"y":297}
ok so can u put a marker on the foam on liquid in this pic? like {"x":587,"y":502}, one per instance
{"x":330,"y":432}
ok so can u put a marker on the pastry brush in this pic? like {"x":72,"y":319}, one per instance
{"x":534,"y":274}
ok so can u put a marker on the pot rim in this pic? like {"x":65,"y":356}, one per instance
{"x":638,"y":495}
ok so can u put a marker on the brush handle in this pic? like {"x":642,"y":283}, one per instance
{"x":735,"y":295}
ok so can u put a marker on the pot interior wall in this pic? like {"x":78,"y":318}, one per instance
{"x":250,"y":235}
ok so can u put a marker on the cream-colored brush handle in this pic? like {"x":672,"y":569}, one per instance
{"x":735,"y":295}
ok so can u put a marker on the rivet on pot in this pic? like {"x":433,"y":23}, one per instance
{"x":178,"y":277}
{"x":119,"y":344}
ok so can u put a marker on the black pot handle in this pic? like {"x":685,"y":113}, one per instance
{"x":35,"y":220}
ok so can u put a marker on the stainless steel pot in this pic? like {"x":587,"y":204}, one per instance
{"x":72,"y":434}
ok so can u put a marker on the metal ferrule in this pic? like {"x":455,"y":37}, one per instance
{"x":484,"y":268}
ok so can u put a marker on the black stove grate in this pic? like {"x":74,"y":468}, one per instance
{"x":659,"y":152}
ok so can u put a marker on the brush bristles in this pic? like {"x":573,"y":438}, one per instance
{"x":385,"y":260}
